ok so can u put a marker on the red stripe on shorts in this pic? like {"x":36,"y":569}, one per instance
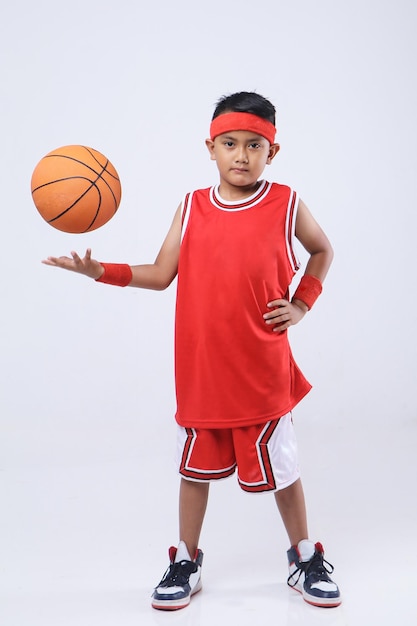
{"x":269,"y":483}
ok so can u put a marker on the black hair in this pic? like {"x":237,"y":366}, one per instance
{"x":246,"y":102}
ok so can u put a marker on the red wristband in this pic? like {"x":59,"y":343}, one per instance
{"x":119,"y":274}
{"x":308,"y":290}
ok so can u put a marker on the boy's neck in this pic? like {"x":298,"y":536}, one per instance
{"x":232,"y":193}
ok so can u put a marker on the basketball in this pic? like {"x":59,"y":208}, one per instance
{"x":76,"y":189}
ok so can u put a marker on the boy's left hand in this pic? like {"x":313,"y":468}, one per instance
{"x":284,"y":314}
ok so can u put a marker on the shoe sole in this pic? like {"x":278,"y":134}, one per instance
{"x":324,"y":603}
{"x":175,"y":605}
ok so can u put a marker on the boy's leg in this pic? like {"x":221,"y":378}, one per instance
{"x":309,"y":572}
{"x":291,"y":505}
{"x":183,"y":577}
{"x":192,"y":508}
{"x":197,"y":450}
{"x":202,"y":455}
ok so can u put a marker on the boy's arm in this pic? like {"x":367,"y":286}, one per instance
{"x":160,"y":274}
{"x":285,"y":314}
{"x":314,"y":240}
{"x":157,"y":275}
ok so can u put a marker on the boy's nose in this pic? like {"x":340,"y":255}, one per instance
{"x":242,"y":156}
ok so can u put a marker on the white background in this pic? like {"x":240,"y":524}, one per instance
{"x":88,"y":491}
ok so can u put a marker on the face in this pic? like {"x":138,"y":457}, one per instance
{"x":241,"y":157}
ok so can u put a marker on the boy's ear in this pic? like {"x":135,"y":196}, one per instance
{"x":210,"y":148}
{"x":273,"y":151}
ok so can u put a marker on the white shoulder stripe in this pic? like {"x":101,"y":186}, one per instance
{"x":290,"y":220}
{"x":185,"y":213}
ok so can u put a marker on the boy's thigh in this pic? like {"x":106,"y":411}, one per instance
{"x":265,"y":454}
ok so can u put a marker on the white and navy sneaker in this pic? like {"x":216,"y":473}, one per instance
{"x":310,"y":576}
{"x":181,"y":580}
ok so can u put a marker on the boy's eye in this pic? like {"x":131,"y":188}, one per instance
{"x":229,"y":144}
{"x":255,"y":145}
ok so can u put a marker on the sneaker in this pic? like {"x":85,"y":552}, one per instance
{"x":181,"y":580}
{"x":310,"y":576}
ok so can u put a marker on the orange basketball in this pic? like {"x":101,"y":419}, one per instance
{"x":76,"y":189}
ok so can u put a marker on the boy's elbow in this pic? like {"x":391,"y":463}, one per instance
{"x":330,"y":253}
{"x":161,"y":286}
{"x":163,"y":282}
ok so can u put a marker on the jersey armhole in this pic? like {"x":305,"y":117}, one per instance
{"x":290,"y":220}
{"x":185,"y":213}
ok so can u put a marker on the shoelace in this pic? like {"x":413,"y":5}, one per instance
{"x":178,"y":574}
{"x":316,"y":564}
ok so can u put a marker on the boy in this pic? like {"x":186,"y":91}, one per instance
{"x":236,"y":380}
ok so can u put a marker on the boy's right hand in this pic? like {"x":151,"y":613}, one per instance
{"x":87,"y":266}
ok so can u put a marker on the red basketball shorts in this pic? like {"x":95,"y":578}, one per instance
{"x":265,"y":455}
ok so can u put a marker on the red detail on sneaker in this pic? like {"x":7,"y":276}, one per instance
{"x":319,"y":547}
{"x":172,"y":553}
{"x":297,"y":550}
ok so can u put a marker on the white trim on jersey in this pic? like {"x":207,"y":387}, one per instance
{"x":239,"y":205}
{"x":185,"y":213}
{"x":290,"y":230}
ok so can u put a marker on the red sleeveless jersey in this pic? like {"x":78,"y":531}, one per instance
{"x":231,"y":369}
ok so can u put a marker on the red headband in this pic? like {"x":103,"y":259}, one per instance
{"x":242,"y":121}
